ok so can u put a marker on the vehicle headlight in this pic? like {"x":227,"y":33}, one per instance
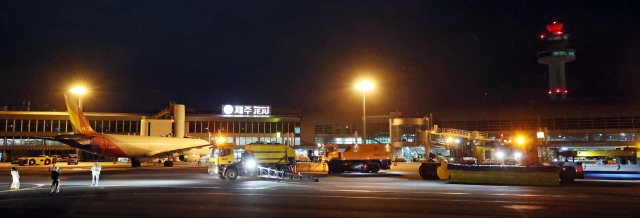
{"x":251,"y":163}
{"x":517,"y":155}
{"x":500,"y":155}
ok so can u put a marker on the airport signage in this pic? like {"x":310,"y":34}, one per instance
{"x":246,"y":109}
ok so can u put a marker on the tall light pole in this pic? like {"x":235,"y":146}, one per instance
{"x":79,"y":91}
{"x":364,"y":86}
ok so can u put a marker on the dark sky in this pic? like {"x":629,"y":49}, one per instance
{"x":422,"y":55}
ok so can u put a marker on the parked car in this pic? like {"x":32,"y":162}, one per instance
{"x":400,"y":159}
{"x":72,"y":159}
{"x":58,"y":158}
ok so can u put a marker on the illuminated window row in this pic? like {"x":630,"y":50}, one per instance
{"x":243,"y":127}
{"x":107,"y":126}
{"x":19,"y":125}
{"x":626,"y":122}
{"x":26,"y":141}
{"x":114,"y":126}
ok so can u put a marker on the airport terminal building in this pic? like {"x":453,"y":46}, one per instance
{"x":21,"y":132}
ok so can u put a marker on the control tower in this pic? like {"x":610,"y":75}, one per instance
{"x":555,"y":56}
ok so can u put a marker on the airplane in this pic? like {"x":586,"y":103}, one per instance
{"x":134,"y":147}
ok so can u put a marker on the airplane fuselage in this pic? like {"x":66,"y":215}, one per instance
{"x":112,"y":145}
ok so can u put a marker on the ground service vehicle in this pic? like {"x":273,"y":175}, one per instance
{"x":16,"y":160}
{"x":276,"y":156}
{"x":620,"y":156}
{"x":435,"y":168}
{"x":367,"y":157}
{"x":72,"y":159}
{"x":42,"y":159}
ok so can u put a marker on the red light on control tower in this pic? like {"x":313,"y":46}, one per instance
{"x":555,"y":27}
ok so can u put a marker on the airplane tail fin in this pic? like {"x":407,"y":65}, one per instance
{"x":78,"y":120}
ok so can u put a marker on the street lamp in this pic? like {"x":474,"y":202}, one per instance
{"x":364,"y":86}
{"x":520,"y":141}
{"x":79,"y":91}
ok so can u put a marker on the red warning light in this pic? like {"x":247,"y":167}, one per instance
{"x":558,"y":32}
{"x":558,"y":90}
{"x":554,"y":27}
{"x":542,"y":36}
{"x":549,"y":92}
{"x":565,"y":91}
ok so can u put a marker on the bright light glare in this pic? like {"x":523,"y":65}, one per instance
{"x":364,"y":86}
{"x":520,"y":140}
{"x":251,"y":163}
{"x":540,"y":135}
{"x":500,"y":155}
{"x":78,"y":90}
{"x":449,"y":140}
{"x":457,"y":141}
{"x":517,"y":155}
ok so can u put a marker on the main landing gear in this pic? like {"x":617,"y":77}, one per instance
{"x":135,"y":162}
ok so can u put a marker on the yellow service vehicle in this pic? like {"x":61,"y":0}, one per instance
{"x":603,"y":157}
{"x":435,"y":168}
{"x":367,"y":157}
{"x":275,"y":156}
{"x":42,"y":159}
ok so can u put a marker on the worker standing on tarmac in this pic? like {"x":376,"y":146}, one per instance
{"x":95,"y":174}
{"x":55,"y":176}
{"x":15,"y":185}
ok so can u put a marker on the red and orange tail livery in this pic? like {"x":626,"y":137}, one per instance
{"x":78,"y":120}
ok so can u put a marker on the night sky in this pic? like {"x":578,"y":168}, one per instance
{"x":423,"y":56}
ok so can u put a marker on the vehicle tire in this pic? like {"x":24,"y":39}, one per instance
{"x":32,"y":162}
{"x":159,"y":161}
{"x":335,"y":166}
{"x":135,"y":163}
{"x":168,"y":163}
{"x":374,"y":167}
{"x":428,"y":171}
{"x":285,"y":169}
{"x":47,"y":162}
{"x":232,"y":174}
{"x":567,"y":175}
{"x":222,"y":177}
